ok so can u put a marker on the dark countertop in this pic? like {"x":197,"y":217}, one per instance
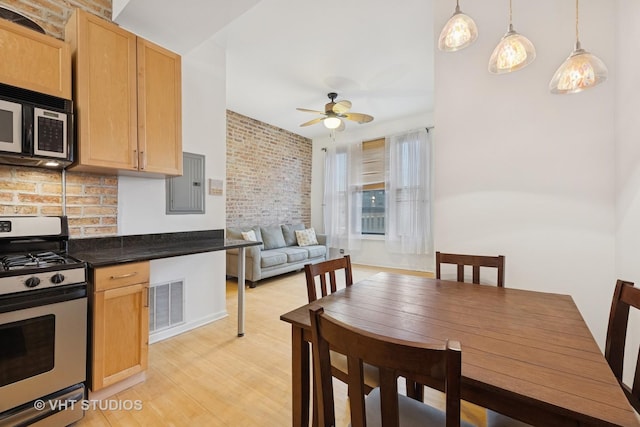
{"x":104,"y":251}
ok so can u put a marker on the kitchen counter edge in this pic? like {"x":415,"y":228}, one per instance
{"x":105,"y":251}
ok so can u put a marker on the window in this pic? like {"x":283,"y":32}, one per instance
{"x":373,"y":191}
{"x":380,"y":187}
{"x":373,"y":209}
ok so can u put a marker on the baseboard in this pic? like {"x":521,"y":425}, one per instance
{"x":180,"y":329}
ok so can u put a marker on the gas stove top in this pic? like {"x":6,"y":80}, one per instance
{"x":34,"y":260}
{"x":33,"y":255}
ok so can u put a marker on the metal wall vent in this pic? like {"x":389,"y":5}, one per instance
{"x":166,"y":306}
{"x":15,"y":17}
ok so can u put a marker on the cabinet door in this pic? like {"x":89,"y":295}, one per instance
{"x":120,"y":334}
{"x":159,"y":109}
{"x":105,"y":93}
{"x":34,"y":61}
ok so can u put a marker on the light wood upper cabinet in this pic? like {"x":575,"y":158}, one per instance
{"x":128,"y":100}
{"x":34,"y":61}
{"x":160,"y":104}
{"x":120,"y":318}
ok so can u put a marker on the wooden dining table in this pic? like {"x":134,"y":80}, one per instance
{"x":526,"y":354}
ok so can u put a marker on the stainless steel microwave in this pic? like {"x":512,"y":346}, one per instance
{"x":35,"y":129}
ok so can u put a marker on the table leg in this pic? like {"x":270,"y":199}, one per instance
{"x":241,"y":263}
{"x":300,"y":378}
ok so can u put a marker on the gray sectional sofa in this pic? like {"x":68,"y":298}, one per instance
{"x":279,"y":253}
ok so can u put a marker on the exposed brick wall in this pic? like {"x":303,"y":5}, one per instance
{"x":52,"y":15}
{"x":268,"y":174}
{"x":91,"y":200}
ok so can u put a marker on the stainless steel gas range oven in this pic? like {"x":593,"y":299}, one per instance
{"x":43,"y":324}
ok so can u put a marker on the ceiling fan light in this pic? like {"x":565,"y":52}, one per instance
{"x":459,"y":32}
{"x":332,"y":122}
{"x":513,"y":53}
{"x":581,"y":70}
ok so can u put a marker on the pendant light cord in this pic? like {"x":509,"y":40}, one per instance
{"x":510,"y":14}
{"x":577,"y":33}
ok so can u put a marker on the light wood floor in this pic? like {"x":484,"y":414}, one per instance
{"x":210,"y":377}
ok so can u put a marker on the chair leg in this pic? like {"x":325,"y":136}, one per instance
{"x":415,"y":390}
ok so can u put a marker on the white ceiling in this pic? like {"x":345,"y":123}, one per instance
{"x":283,"y":54}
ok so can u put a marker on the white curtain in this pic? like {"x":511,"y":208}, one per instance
{"x":343,"y":196}
{"x":408,"y":191}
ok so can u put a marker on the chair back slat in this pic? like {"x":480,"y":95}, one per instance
{"x":625,"y":296}
{"x":474,"y":261}
{"x":438,"y":363}
{"x":325,"y":269}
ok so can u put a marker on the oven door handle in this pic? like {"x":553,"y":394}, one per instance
{"x":42,"y":297}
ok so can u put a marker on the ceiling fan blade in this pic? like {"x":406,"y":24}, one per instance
{"x":309,"y":111}
{"x":341,"y":107}
{"x":358,"y":117}
{"x":312,"y":122}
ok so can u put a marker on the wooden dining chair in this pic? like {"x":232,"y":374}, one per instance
{"x":625,"y":296}
{"x":384,"y":406}
{"x":322,"y":271}
{"x":474,"y":261}
{"x":326,"y":283}
{"x":494,"y":419}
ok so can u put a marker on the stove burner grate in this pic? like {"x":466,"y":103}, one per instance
{"x":42,"y":259}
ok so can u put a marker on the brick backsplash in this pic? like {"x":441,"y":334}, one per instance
{"x":268,"y":174}
{"x":91,"y":200}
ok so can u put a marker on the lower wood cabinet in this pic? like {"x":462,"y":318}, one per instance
{"x":120,"y":323}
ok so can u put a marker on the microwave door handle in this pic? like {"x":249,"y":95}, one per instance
{"x":27,"y":123}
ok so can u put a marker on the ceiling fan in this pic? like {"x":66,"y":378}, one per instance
{"x":334,"y":112}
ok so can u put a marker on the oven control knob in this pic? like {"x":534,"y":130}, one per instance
{"x":57,"y":278}
{"x":32,"y":282}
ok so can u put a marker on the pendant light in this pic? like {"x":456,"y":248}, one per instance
{"x":459,"y":32}
{"x":581,"y":70}
{"x":513,"y":53}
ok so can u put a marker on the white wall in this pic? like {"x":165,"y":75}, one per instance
{"x":524,"y":173}
{"x":141,"y":201}
{"x":628,"y":161}
{"x":373,"y":251}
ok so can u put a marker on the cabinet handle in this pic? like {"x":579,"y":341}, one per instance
{"x":148,"y":302}
{"x":124,"y":276}
{"x":144,"y":160}
{"x":135,"y":159}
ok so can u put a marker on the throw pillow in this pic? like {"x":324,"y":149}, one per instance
{"x":249,"y":235}
{"x":306,"y":237}
{"x":289,"y":233}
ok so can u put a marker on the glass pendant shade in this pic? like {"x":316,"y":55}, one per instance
{"x":459,"y":32}
{"x":513,"y":53}
{"x":332,"y":122}
{"x":581,"y":70}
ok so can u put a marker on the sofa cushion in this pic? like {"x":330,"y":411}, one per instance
{"x":289,"y":233}
{"x":271,"y":258}
{"x":316,"y":250}
{"x":295,"y":254}
{"x":272,"y":237}
{"x":306,"y":237}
